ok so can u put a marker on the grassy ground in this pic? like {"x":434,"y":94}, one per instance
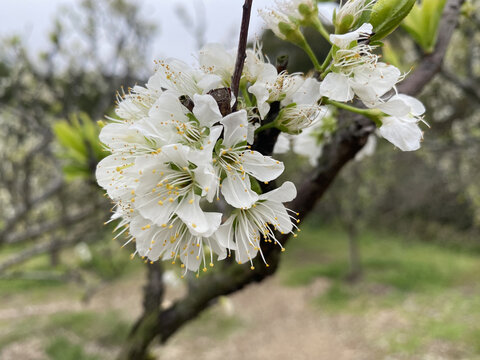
{"x":415,"y":300}
{"x":434,"y":289}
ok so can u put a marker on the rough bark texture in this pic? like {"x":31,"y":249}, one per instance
{"x":230,"y":277}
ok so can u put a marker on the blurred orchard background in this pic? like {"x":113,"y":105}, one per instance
{"x":387,"y":267}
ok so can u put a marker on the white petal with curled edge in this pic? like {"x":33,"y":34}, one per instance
{"x":216,"y":248}
{"x":394,"y":107}
{"x":416,"y":106}
{"x":224,"y":234}
{"x":116,"y":135}
{"x":214,"y":58}
{"x":404,"y":135}
{"x":308,"y":93}
{"x":251,"y":132}
{"x":235,"y":128}
{"x":261,"y":93}
{"x":286,"y":192}
{"x":204,"y":156}
{"x":371,"y":82}
{"x":206,"y":178}
{"x":244,"y":235}
{"x":115,"y":176}
{"x":206,"y":110}
{"x":176,"y":153}
{"x":138,"y":229}
{"x":263,"y":168}
{"x":195,"y":218}
{"x":149,"y":207}
{"x":336,"y":87}
{"x":209,"y":82}
{"x":344,"y":40}
{"x":168,"y":108}
{"x":237,"y":191}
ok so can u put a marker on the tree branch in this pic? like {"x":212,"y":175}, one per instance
{"x":242,"y":48}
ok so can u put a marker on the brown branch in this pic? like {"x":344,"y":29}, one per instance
{"x":242,"y":48}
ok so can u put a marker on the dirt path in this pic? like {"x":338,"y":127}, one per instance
{"x":276,"y":322}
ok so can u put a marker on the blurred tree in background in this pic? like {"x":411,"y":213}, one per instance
{"x":94,"y":49}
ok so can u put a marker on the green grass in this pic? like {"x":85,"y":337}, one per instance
{"x":433,"y":288}
{"x":62,"y":349}
{"x":107,"y":328}
{"x":388,"y":260}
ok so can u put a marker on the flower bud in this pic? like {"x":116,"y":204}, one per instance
{"x":350,"y":14}
{"x":294,"y":118}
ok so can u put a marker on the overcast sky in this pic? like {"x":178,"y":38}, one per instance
{"x":33,"y":20}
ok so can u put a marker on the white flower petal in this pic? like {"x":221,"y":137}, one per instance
{"x":208,"y":181}
{"x":237,"y":191}
{"x":394,"y":107}
{"x":197,"y":221}
{"x":206,"y":110}
{"x":336,"y":87}
{"x":308,"y":93}
{"x":263,"y":168}
{"x":224,"y":234}
{"x":235,"y":128}
{"x":176,"y":153}
{"x":285,"y":193}
{"x":404,"y":135}
{"x":416,"y":106}
{"x":261,"y":93}
{"x":344,"y":40}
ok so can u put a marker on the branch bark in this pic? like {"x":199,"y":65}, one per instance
{"x":242,"y":48}
{"x":345,"y":144}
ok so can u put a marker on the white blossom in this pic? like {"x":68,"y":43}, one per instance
{"x":245,"y":228}
{"x":401,"y":127}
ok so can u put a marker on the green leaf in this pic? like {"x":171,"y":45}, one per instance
{"x":422,"y":23}
{"x":387,"y":15}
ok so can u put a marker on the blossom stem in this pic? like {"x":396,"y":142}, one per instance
{"x":308,"y":50}
{"x":327,"y":60}
{"x":265,"y":127}
{"x":319,"y":27}
{"x":372,"y":114}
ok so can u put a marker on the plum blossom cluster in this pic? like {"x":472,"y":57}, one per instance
{"x":184,"y":172}
{"x":352,"y":72}
{"x":179,"y":153}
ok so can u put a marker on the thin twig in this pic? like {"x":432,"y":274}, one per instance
{"x":242,"y":47}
